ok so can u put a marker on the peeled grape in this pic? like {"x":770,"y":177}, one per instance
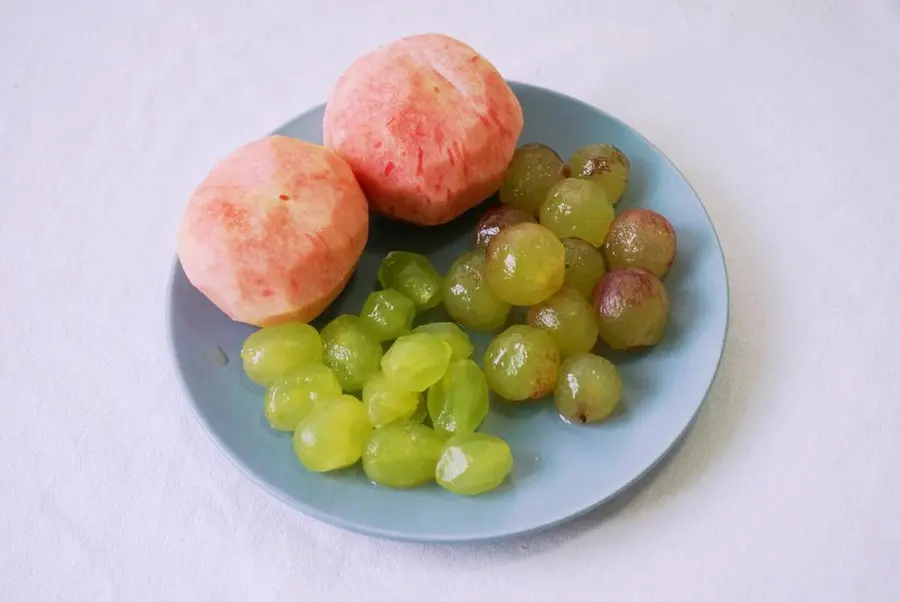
{"x":604,"y":164}
{"x":460,"y":400}
{"x":584,"y":265}
{"x":385,"y":403}
{"x":533,"y":170}
{"x":460,"y":345}
{"x":521,"y":363}
{"x":578,"y":208}
{"x":274,"y":351}
{"x":497,"y":219}
{"x":525,"y":264}
{"x":569,"y":318}
{"x":402,"y":455}
{"x":473,"y":463}
{"x":468,"y":298}
{"x":413,"y":275}
{"x":416,"y":361}
{"x":351,"y":351}
{"x":292,"y":398}
{"x":333,"y":435}
{"x":388,"y":314}
{"x":588,"y":390}
{"x":640,"y":238}
{"x":632,"y":308}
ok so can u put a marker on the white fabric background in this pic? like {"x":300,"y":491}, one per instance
{"x":785,"y":116}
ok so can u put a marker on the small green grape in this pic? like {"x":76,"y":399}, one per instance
{"x":333,"y":435}
{"x":416,"y":361}
{"x":533,"y":169}
{"x":290,"y":399}
{"x":385,"y":403}
{"x":274,"y":351}
{"x":468,"y":298}
{"x":460,"y":344}
{"x":402,"y":455}
{"x":640,"y":238}
{"x":521,"y":363}
{"x":578,"y":208}
{"x":588,"y":390}
{"x":605,"y":165}
{"x":567,"y":317}
{"x":584,"y":265}
{"x":413,"y":275}
{"x":473,"y":463}
{"x":351,"y":351}
{"x":460,"y":400}
{"x":388,"y":314}
{"x":525,"y":264}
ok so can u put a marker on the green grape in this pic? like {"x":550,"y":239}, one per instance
{"x":497,"y":219}
{"x":533,"y":170}
{"x":351,"y":351}
{"x":632,"y":308}
{"x":413,"y":275}
{"x":588,"y":390}
{"x":388,"y":314}
{"x":333,"y":435}
{"x":385,"y":403}
{"x":521,"y":363}
{"x":569,"y":318}
{"x":421,"y":413}
{"x":468,"y":298}
{"x":584,"y":265}
{"x":605,"y":165}
{"x":402,"y":455}
{"x":416,"y":361}
{"x":274,"y":351}
{"x":473,"y":463}
{"x":578,"y":208}
{"x":525,"y":264}
{"x":459,"y":401}
{"x":292,"y":398}
{"x":460,"y":345}
{"x":640,"y":238}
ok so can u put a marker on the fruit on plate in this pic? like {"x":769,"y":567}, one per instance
{"x":428,"y":126}
{"x":416,"y":361}
{"x":568,"y":318}
{"x":460,"y":344}
{"x":533,"y":171}
{"x":291,"y":399}
{"x":521,"y":363}
{"x":468,"y":298}
{"x":584,"y":265}
{"x":473,"y":463}
{"x":497,"y":219}
{"x":351,"y":351}
{"x":333,"y":435}
{"x":640,"y":238}
{"x":632,"y":308}
{"x":578,"y":208}
{"x":274,"y":231}
{"x":588,"y":390}
{"x":273,"y":352}
{"x":460,"y":400}
{"x":525,"y":264}
{"x":388,"y":314}
{"x":413,"y":275}
{"x":604,"y":164}
{"x":402,"y":455}
{"x":385,"y":403}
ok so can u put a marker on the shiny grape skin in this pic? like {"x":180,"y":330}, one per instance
{"x":416,"y":361}
{"x":569,"y":318}
{"x":521,"y":363}
{"x":290,"y":399}
{"x":473,"y":464}
{"x":351,"y":351}
{"x":385,"y":403}
{"x":525,"y":264}
{"x":469,"y":299}
{"x":497,"y":219}
{"x":588,"y":390}
{"x":402,"y":455}
{"x":533,"y":169}
{"x":641,"y":238}
{"x":584,"y":265}
{"x":272,"y":352}
{"x":604,"y":164}
{"x":460,"y":344}
{"x":388,"y":314}
{"x":577,"y":208}
{"x":632,"y":309}
{"x":413,"y":275}
{"x":333,"y":435}
{"x":459,"y":401}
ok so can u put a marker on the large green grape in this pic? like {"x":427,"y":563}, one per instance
{"x":413,"y":275}
{"x":351,"y":351}
{"x":473,"y":463}
{"x":632,"y":308}
{"x":640,"y":238}
{"x":402,"y":455}
{"x":416,"y":361}
{"x":588,"y":390}
{"x":605,"y":165}
{"x":460,"y":345}
{"x":274,"y":351}
{"x":497,"y":219}
{"x":388,"y":314}
{"x":521,"y":363}
{"x":533,"y":170}
{"x":578,"y":208}
{"x":460,"y":400}
{"x":290,"y":399}
{"x":385,"y":403}
{"x":584,"y":265}
{"x":569,"y":318}
{"x":468,"y":298}
{"x":332,"y":436}
{"x":525,"y":264}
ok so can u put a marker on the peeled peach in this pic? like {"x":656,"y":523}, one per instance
{"x":428,"y":126}
{"x":274,"y":232}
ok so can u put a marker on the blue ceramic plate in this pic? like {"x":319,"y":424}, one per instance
{"x":560,"y":470}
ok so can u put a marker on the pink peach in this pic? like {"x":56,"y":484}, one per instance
{"x":428,"y":126}
{"x":274,"y":232}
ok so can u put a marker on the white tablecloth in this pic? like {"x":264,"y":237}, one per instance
{"x":785,"y":116}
